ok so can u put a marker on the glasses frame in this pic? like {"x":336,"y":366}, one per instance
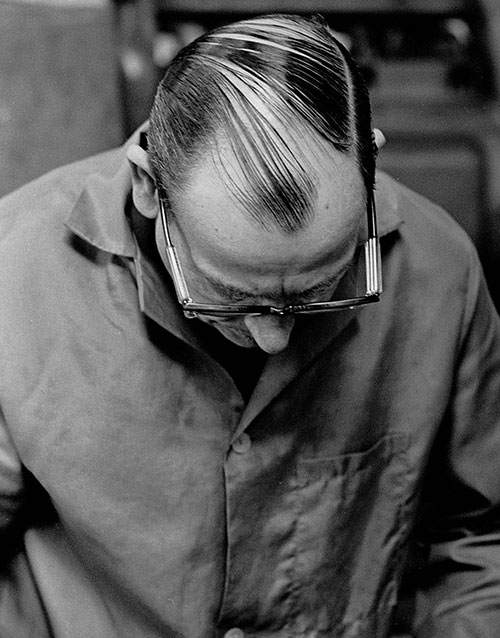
{"x":191,"y":309}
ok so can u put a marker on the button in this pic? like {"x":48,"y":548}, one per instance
{"x":241,"y":445}
{"x":235,"y":632}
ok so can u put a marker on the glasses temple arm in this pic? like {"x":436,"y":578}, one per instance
{"x":372,"y":251}
{"x":180,"y":284}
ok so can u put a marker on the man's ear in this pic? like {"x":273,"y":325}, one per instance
{"x":379,"y":138}
{"x":143,"y":184}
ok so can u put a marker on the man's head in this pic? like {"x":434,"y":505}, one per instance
{"x":260,"y":137}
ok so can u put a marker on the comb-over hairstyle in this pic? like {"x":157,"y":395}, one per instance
{"x":211,"y":98}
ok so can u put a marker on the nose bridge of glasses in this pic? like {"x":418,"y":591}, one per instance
{"x":282,"y":311}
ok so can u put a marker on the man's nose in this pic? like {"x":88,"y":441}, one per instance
{"x":271,"y":333}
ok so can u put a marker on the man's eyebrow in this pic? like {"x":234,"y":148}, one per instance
{"x":235,"y":294}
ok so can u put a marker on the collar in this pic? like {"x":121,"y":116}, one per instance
{"x":386,"y":203}
{"x":98,"y":216}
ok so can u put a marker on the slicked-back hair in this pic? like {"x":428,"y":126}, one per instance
{"x":211,"y":98}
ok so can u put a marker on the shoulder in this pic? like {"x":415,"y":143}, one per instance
{"x":428,"y":233}
{"x":52,"y":195}
{"x":431,"y":267}
{"x":33,"y":217}
{"x":35,"y":242}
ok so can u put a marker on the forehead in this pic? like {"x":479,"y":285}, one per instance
{"x":214,"y":222}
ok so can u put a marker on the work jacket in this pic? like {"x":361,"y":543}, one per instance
{"x":141,"y":496}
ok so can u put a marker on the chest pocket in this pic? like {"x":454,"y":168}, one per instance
{"x":315,"y":544}
{"x":351,"y":523}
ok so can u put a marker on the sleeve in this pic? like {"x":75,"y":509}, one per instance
{"x":459,"y":527}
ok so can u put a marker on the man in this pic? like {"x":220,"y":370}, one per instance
{"x":211,"y":427}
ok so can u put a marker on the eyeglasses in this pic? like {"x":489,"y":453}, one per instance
{"x":373,"y":280}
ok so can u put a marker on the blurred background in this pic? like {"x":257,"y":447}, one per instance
{"x":78,"y":76}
